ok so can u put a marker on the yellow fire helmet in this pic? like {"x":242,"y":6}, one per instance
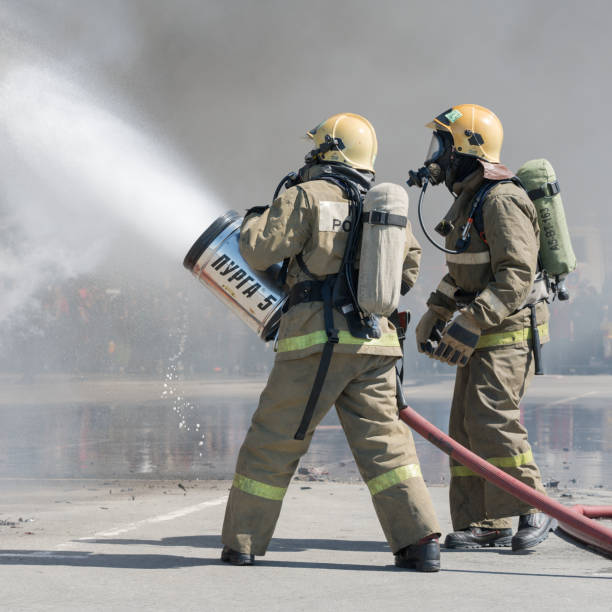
{"x":346,"y":138}
{"x":475,"y":130}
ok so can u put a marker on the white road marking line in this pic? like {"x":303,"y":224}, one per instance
{"x":158,"y":519}
{"x":45,"y":554}
{"x":170,"y":516}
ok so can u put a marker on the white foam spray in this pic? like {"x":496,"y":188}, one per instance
{"x":75,"y":176}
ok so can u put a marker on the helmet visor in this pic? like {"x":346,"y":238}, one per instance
{"x":436,"y":148}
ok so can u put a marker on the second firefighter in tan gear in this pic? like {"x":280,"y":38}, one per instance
{"x":307,"y":224}
{"x":490,"y":339}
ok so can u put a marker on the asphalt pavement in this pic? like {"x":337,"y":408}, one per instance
{"x":154,"y":545}
{"x":119,"y":544}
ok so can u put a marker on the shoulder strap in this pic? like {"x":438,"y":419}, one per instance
{"x":303,"y":267}
{"x":282,"y":273}
{"x":326,"y":355}
{"x":480,"y":198}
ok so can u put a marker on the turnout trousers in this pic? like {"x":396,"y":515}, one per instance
{"x":362,"y":387}
{"x":485,"y":418}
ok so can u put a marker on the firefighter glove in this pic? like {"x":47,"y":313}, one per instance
{"x":458,"y":341}
{"x":428,"y":331}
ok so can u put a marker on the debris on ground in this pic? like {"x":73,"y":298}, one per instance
{"x":312,"y":474}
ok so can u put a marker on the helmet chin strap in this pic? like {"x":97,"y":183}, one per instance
{"x":329,"y":144}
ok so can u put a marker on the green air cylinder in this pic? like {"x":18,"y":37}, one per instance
{"x":542,"y":186}
{"x":383,"y":241}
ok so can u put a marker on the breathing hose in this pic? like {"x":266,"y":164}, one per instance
{"x":438,"y":246}
{"x":576,"y":522}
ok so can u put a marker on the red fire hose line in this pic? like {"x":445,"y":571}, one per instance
{"x":590,"y":512}
{"x":594,"y":511}
{"x":573,"y":521}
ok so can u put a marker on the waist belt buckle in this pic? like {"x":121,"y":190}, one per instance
{"x":332,"y":336}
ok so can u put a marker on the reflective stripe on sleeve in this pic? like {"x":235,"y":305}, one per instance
{"x":501,"y":462}
{"x":259,"y":489}
{"x":389,"y":479}
{"x":511,"y":337}
{"x":469,"y":259}
{"x":489,"y":297}
{"x":297,"y":343}
{"x":446,"y":289}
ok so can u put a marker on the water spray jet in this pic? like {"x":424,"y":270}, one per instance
{"x":77,"y":176}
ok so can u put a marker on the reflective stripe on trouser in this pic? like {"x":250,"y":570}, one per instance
{"x":500,"y":462}
{"x":363,"y":389}
{"x":485,"y":418}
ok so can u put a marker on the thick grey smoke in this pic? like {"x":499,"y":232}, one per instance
{"x":222,"y":92}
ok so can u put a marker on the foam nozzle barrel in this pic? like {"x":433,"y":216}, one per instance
{"x":256,"y":297}
{"x":207,"y":237}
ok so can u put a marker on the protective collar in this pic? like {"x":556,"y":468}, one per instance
{"x":495,"y":172}
{"x":466,"y":189}
{"x":362,"y":179}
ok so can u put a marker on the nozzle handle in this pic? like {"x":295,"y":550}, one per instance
{"x":535,"y":339}
{"x":416,"y":177}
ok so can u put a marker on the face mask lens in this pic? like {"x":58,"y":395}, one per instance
{"x":436,"y":148}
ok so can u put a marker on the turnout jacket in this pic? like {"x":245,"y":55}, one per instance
{"x":497,"y":270}
{"x":312,"y":219}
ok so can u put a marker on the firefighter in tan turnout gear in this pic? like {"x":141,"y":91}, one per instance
{"x":492,"y":241}
{"x":308,"y":227}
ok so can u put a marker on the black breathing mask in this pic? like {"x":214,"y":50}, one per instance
{"x":442,"y":164}
{"x":437,"y":161}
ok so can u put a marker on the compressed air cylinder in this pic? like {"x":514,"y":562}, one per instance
{"x":540,"y":181}
{"x":385,"y":213}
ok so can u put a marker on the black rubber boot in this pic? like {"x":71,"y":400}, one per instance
{"x":476,"y":537}
{"x":532,"y":529}
{"x":236,"y":558}
{"x":423,"y":557}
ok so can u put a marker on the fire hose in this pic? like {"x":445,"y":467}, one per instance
{"x":577,"y":522}
{"x":258,"y":297}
